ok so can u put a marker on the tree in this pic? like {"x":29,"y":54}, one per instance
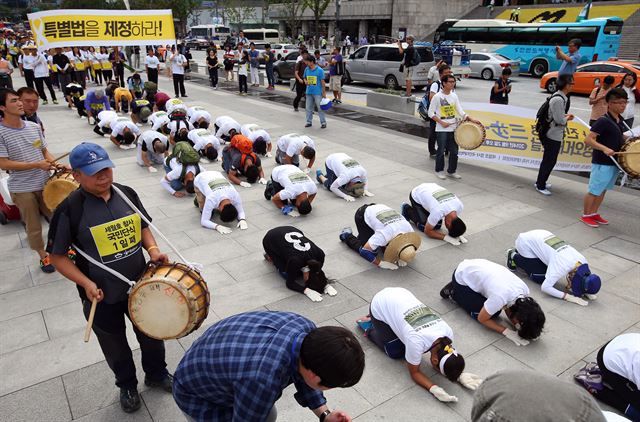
{"x":233,"y":12}
{"x":317,"y":7}
{"x":292,"y":10}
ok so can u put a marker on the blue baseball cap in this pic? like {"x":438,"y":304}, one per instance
{"x":584,"y":282}
{"x":89,"y":158}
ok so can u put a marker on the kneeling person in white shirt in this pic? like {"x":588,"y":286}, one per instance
{"x":345,"y":177}
{"x":290,"y":187}
{"x":153,"y":147}
{"x":260,"y":138}
{"x":199,"y":117}
{"x":215,"y":193}
{"x":206,"y":143}
{"x":226,"y":128}
{"x":159,"y":121}
{"x":180,"y":176}
{"x":179,"y":131}
{"x":105,"y":119}
{"x":547,"y":259}
{"x":124,"y":134}
{"x":431,"y":205}
{"x":291,"y":146}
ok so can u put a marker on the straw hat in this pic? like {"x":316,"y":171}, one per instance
{"x":404,"y":246}
{"x":29,"y":46}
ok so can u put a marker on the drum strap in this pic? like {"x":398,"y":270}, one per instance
{"x":104,"y":267}
{"x":625,"y":175}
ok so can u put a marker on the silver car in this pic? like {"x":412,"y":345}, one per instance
{"x":489,"y":66}
{"x":379,"y":64}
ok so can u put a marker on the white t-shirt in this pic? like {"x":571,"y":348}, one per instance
{"x":293,"y":180}
{"x":173,"y":126}
{"x":386,"y":222}
{"x":495,"y":282}
{"x":433,"y":74}
{"x":176,"y":169}
{"x":225,"y":124}
{"x":293,"y":143}
{"x":147,"y":139}
{"x":158,"y":119}
{"x":193,"y":109}
{"x":174,"y":104}
{"x":151,"y":62}
{"x":202,"y":137}
{"x":70,"y":55}
{"x":119,"y":126}
{"x":253,"y":132}
{"x":28,"y":61}
{"x":415,"y":324}
{"x":346,"y":168}
{"x":40,"y":66}
{"x":622,"y":356}
{"x":107,"y":117}
{"x":559,"y":257}
{"x":177,"y":64}
{"x":216,"y":188}
{"x":448,"y":108}
{"x":199,"y":114}
{"x":437,"y":200}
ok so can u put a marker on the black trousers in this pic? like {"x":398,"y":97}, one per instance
{"x":418,"y":215}
{"x":98,"y":77}
{"x":549,"y":160}
{"x":29,"y":77}
{"x":119,"y":73}
{"x":108,"y":74}
{"x":383,"y":336}
{"x":364,"y":231}
{"x":213,"y":76}
{"x":242,"y":83}
{"x":178,"y":85}
{"x":152,"y":75}
{"x":300,"y":90}
{"x":110,"y":330}
{"x":432,"y":137}
{"x":618,"y":392}
{"x":40,"y":88}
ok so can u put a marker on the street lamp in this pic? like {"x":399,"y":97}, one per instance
{"x":338,"y":33}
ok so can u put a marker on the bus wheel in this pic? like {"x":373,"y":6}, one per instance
{"x":390,"y":82}
{"x":539,"y":68}
{"x":552,"y":85}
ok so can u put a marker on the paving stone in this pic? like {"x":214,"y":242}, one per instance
{"x":26,"y":301}
{"x":115,"y":413}
{"x":348,"y":400}
{"x":44,"y":402}
{"x":65,"y":319}
{"x":161,"y":406}
{"x":15,"y":279}
{"x":613,"y":264}
{"x":22,"y":332}
{"x":625,"y":285}
{"x":622,"y":248}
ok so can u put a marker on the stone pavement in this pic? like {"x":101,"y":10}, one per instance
{"x":47,"y":373}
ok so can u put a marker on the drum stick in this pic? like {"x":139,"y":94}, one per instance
{"x":92,"y":313}
{"x":627,"y":152}
{"x":61,"y":157}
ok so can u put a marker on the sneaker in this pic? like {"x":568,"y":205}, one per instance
{"x":592,"y":382}
{"x":318,"y":174}
{"x":404,"y":210}
{"x":323,"y":126}
{"x":55,"y":101}
{"x":511,"y":264}
{"x":339,"y":101}
{"x":46,"y":266}
{"x":447,"y":291}
{"x":589,"y":221}
{"x":441,"y":175}
{"x":600,"y":220}
{"x":544,"y":191}
{"x":307,"y":125}
{"x":296,"y":109}
{"x":345,"y":233}
{"x":165,"y":383}
{"x":45,"y":102}
{"x":129,"y":400}
{"x":185,"y":96}
{"x":454,"y":175}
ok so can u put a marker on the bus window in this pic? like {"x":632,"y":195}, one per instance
{"x":552,"y":35}
{"x":525,"y":36}
{"x":587,"y":34}
{"x":455,"y":35}
{"x":478,"y":35}
{"x":613,"y":27}
{"x":500,"y":35}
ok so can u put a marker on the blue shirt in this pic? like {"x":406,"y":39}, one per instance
{"x":569,"y":68}
{"x":333,"y":69}
{"x":96,"y":105}
{"x":314,"y":79}
{"x":253,"y":57}
{"x":237,"y":369}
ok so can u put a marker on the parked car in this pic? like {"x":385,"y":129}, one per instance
{"x":589,"y":75}
{"x":283,"y":69}
{"x":379,"y":64}
{"x":281,"y":50}
{"x":489,"y":66}
{"x":197,"y":42}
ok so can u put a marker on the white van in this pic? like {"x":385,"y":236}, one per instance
{"x":380,"y":64}
{"x":264,"y":35}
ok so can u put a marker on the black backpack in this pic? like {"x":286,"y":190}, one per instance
{"x":542,"y":116}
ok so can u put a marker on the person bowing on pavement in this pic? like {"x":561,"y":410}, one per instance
{"x":345,"y":177}
{"x":290,"y":187}
{"x":215,"y":193}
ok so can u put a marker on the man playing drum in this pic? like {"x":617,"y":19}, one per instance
{"x":98,"y":221}
{"x":215,"y":193}
{"x":345,"y":177}
{"x":24,"y":154}
{"x":445,"y":109}
{"x":432,"y":205}
{"x":606,"y":138}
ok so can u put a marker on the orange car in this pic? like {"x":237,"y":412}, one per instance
{"x":589,"y":75}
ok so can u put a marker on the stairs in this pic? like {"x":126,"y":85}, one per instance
{"x":630,"y":42}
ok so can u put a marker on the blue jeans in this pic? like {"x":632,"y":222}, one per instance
{"x":314,"y":100}
{"x":270,"y":80}
{"x":331,"y":177}
{"x":175,"y":184}
{"x":226,"y":160}
{"x":447,"y":141}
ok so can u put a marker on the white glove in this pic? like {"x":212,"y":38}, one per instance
{"x":349,"y":198}
{"x":219,"y":159}
{"x":590,"y":297}
{"x":574,"y":299}
{"x":514,"y":337}
{"x":330,"y":290}
{"x":268,"y":155}
{"x":462,"y":239}
{"x":243,"y":225}
{"x":367,"y":193}
{"x":123,"y":146}
{"x":223,"y":229}
{"x":152,"y":169}
{"x":401,"y":263}
{"x":469,"y":380}
{"x":313,"y":295}
{"x":307,"y":170}
{"x":452,"y":240}
{"x":440,"y":394}
{"x":294,"y":213}
{"x":386,"y":265}
{"x":245,"y":184}
{"x":262,"y":181}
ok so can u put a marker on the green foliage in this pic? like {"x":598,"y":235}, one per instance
{"x":235,"y":12}
{"x":388,"y":91}
{"x":317,"y":7}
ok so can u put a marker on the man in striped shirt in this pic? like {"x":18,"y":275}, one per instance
{"x":24,"y":154}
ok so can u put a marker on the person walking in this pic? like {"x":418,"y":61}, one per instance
{"x":336,"y":70}
{"x":597,"y":99}
{"x":315,"y":92}
{"x":178,"y":63}
{"x":152,"y":65}
{"x":213,"y":66}
{"x":298,"y":73}
{"x":410,"y":60}
{"x":569,"y":61}
{"x":501,"y":89}
{"x":269,"y":59}
{"x":558,"y":118}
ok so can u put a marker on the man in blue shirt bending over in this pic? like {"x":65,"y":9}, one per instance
{"x":314,"y":79}
{"x":237,"y":369}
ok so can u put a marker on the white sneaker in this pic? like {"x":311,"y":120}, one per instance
{"x":454,"y":175}
{"x":441,"y":175}
{"x":545,"y":192}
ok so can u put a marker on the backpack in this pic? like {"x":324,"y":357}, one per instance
{"x":340,"y":68}
{"x":415,"y":60}
{"x":186,"y":155}
{"x":542,"y":116}
{"x":245,"y":146}
{"x":423,"y":107}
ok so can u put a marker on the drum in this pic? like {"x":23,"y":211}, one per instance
{"x":631,"y":162}
{"x":57,"y":188}
{"x":170,"y":301}
{"x":469,"y":135}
